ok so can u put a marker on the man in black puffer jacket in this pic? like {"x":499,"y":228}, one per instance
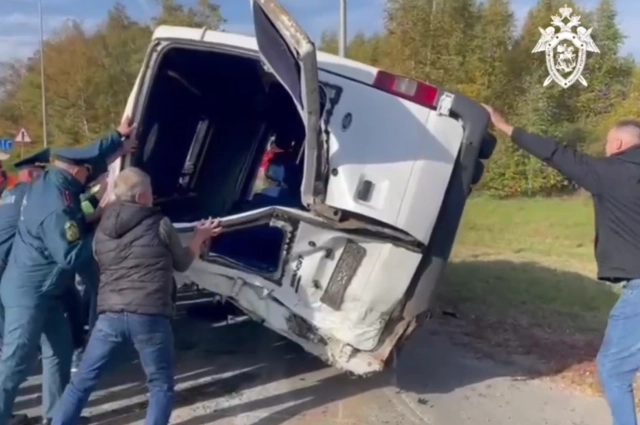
{"x":137,"y":249}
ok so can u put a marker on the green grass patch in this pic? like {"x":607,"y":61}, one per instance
{"x":530,"y":260}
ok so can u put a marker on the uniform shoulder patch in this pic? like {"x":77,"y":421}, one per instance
{"x":71,"y":231}
{"x":7,"y":197}
{"x":66,"y":198}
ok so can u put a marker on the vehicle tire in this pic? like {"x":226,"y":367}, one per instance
{"x":478,"y":171}
{"x":489,"y":143}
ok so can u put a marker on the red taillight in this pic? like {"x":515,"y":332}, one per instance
{"x":413,"y":90}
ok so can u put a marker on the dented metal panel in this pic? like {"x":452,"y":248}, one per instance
{"x":329,"y":325}
{"x":290,"y":215}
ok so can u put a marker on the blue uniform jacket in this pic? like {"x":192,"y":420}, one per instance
{"x":52,"y":238}
{"x":10,"y":204}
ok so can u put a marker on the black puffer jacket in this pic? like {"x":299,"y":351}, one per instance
{"x":136,"y":271}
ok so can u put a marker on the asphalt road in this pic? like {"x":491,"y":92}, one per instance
{"x":244,"y":374}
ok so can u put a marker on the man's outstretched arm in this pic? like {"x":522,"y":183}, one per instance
{"x":113,"y":145}
{"x":585,"y":170}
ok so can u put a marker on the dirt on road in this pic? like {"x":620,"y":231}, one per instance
{"x":243,"y":374}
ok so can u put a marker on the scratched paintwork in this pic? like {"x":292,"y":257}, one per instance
{"x":286,"y":25}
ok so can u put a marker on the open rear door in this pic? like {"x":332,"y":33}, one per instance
{"x":291,"y":56}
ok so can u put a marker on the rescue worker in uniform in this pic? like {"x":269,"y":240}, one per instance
{"x":52,"y":239}
{"x":29,"y":169}
{"x":4,"y":176}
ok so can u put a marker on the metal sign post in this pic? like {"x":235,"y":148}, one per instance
{"x":22,"y":138}
{"x":43,"y":92}
{"x":342,"y":40}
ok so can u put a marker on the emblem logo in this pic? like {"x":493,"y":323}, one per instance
{"x":71,"y":231}
{"x":566,"y":51}
{"x":346,"y":121}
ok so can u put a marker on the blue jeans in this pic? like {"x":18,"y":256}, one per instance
{"x":152,"y":337}
{"x":619,"y":357}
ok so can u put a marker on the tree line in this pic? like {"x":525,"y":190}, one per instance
{"x":470,"y":46}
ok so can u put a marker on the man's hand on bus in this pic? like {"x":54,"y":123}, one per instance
{"x":126,"y":127}
{"x":498,"y":120}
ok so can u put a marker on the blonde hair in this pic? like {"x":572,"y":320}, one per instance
{"x":130,"y":183}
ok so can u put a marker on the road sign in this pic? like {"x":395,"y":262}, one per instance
{"x":22,"y":136}
{"x":6,"y":145}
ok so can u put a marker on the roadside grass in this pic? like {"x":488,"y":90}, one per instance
{"x":522,"y":280}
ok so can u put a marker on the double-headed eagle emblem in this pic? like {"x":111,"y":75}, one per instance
{"x":561,"y":46}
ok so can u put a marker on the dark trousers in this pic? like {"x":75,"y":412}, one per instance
{"x":27,"y":328}
{"x":87,"y":282}
{"x":54,"y":356}
{"x":152,"y":337}
{"x":73,"y":308}
{"x":619,"y":357}
{"x":84,"y":314}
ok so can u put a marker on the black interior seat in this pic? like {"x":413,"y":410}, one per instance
{"x":283,"y":170}
{"x":259,"y":247}
{"x":227,"y":93}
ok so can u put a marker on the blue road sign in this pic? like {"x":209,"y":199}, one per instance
{"x":6,"y":145}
